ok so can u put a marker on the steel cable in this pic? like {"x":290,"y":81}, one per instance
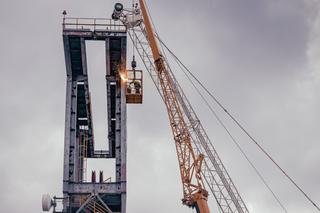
{"x":242,"y":128}
{"x":231,"y":136}
{"x":236,"y":122}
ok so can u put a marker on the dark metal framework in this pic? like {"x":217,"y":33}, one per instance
{"x":78,"y":194}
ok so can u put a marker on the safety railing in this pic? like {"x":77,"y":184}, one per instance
{"x":93,"y":24}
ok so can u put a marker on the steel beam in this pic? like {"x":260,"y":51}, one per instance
{"x":78,"y":118}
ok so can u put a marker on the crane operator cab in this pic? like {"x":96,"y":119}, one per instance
{"x":134,"y":87}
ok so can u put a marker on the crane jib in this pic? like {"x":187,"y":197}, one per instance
{"x":198,"y":160}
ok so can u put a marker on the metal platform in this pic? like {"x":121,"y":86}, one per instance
{"x":78,"y":194}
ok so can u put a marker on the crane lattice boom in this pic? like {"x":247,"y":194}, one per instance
{"x":198,"y":159}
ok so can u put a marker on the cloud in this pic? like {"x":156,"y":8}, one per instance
{"x":261,"y":58}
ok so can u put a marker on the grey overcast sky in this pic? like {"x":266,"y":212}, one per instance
{"x":260,"y":57}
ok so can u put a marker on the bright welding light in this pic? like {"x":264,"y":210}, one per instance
{"x":123,"y":76}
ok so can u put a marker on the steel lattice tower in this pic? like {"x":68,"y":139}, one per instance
{"x":78,"y":194}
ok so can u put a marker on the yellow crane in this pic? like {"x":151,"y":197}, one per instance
{"x":198,"y":160}
{"x":195,"y":195}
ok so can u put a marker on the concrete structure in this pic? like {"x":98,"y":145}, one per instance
{"x":95,"y":195}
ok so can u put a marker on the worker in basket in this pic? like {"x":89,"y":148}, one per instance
{"x":137,"y":86}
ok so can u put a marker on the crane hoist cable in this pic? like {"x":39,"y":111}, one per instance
{"x":133,"y":16}
{"x":244,"y":130}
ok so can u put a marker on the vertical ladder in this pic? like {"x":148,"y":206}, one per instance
{"x":83,"y":154}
